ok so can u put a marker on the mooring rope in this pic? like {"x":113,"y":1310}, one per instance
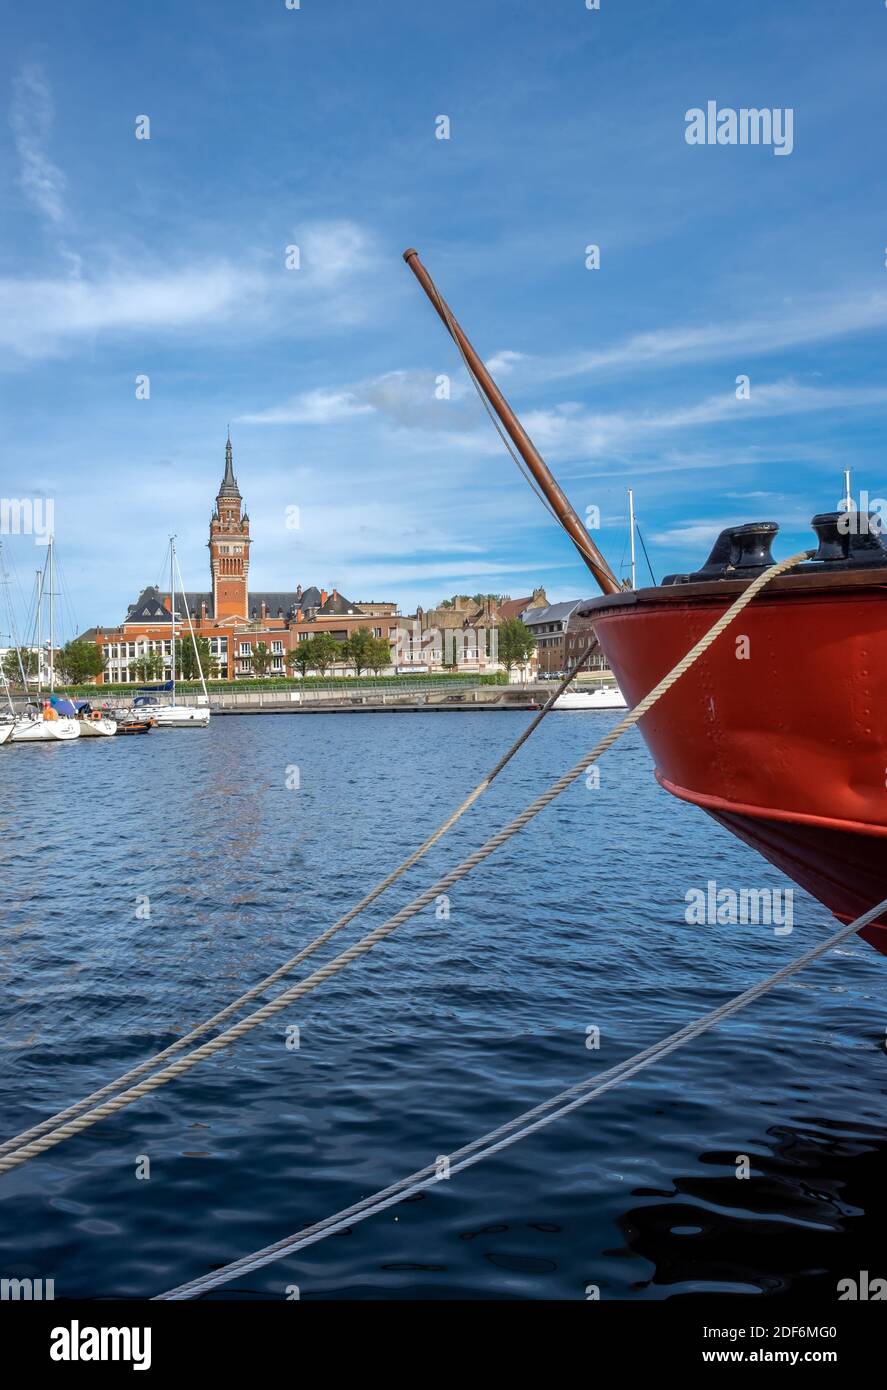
{"x":514,"y":1130}
{"x":371,"y":939}
{"x":54,"y":1121}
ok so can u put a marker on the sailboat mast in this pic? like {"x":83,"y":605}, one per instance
{"x":172,"y":608}
{"x":634,"y":566}
{"x":193,"y":633}
{"x":38,"y":618}
{"x":13,"y":628}
{"x":51,"y":564}
{"x":546,"y":481}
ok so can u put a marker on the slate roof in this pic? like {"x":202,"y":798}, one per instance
{"x":553,"y":613}
{"x":148,"y":608}
{"x":192,"y":603}
{"x":339,"y":606}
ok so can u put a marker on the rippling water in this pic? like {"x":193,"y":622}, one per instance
{"x":445,"y":1030}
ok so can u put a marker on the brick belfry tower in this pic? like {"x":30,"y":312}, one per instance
{"x":229,"y":544}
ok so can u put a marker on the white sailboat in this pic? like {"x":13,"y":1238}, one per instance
{"x":96,"y":725}
{"x":173,"y":715}
{"x":601,"y":697}
{"x":33,"y":728}
{"x":45,"y":726}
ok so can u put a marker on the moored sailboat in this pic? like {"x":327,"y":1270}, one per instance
{"x":46,"y":724}
{"x":600,"y":697}
{"x":174,"y":715}
{"x":93,"y":724}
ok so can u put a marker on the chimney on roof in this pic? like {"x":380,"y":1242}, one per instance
{"x":203,"y":610}
{"x":323,"y":597}
{"x":264,"y":609}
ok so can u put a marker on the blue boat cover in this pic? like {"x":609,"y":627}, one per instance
{"x":61,"y":705}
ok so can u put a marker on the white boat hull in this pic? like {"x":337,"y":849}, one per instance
{"x":5,"y":733}
{"x":45,"y":730}
{"x":611,"y":698}
{"x":174,"y":716}
{"x":97,"y":728}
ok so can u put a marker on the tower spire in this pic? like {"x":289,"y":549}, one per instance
{"x":229,"y":486}
{"x":229,"y":543}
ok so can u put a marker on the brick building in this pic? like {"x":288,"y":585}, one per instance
{"x":562,"y":636}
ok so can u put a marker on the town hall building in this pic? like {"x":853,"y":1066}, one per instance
{"x":232,"y":619}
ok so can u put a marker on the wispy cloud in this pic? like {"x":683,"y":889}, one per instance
{"x":318,"y":407}
{"x":570,"y":430}
{"x":31,"y":118}
{"x":794,"y":325}
{"x":44,"y":317}
{"x":408,"y":399}
{"x":40,"y":317}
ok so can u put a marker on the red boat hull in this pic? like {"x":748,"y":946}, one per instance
{"x":780,"y":730}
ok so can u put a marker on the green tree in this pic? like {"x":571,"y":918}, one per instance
{"x":358,"y":649}
{"x":326,"y":651}
{"x":149,"y":667}
{"x":78,"y":662}
{"x":379,"y":654}
{"x":515,"y":643}
{"x":301,"y":657}
{"x":261,"y":659}
{"x":187,"y":666}
{"x":11,"y":668}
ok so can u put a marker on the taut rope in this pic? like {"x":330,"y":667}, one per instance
{"x":521,"y":1127}
{"x":366,"y":943}
{"x":54,"y":1121}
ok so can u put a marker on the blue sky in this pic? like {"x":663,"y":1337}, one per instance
{"x":316,"y":127}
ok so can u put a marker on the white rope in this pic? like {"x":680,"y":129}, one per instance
{"x":53,"y":1122}
{"x":521,"y":1127}
{"x":36,"y":1146}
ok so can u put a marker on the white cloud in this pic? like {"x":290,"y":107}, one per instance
{"x":502,"y":363}
{"x":318,"y":407}
{"x":333,"y":251}
{"x":406,"y":399}
{"x":40,"y":317}
{"x":31,"y":119}
{"x":595,"y":434}
{"x":44,"y":316}
{"x":693,"y":534}
{"x":811,"y":321}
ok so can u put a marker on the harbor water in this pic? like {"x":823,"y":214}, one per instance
{"x":148,"y":881}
